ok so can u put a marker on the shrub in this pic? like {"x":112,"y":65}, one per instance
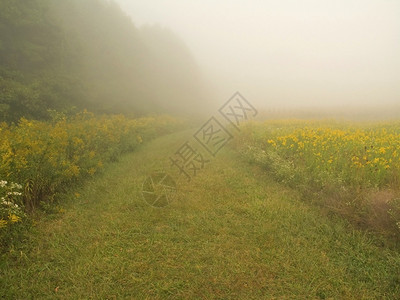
{"x":47,"y":157}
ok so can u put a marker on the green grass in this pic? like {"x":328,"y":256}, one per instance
{"x":231,"y":233}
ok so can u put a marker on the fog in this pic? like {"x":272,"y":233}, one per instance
{"x":288,"y":54}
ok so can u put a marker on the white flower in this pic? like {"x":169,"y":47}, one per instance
{"x":14,"y":194}
{"x":3,"y":183}
{"x":16,"y":185}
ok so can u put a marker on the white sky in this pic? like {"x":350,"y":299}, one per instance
{"x":290,"y":52}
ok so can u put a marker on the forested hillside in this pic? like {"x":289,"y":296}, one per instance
{"x":87,"y":54}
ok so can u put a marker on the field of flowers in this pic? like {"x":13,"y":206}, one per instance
{"x":40,"y":159}
{"x":352,"y":159}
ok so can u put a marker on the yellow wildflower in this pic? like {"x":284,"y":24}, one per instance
{"x":3,"y":223}
{"x":14,"y":218}
{"x":92,"y":154}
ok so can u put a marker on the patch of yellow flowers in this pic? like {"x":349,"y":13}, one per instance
{"x":359,"y":154}
{"x":347,"y":160}
{"x":45,"y":156}
{"x":11,"y":219}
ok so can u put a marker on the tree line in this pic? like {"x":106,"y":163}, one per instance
{"x":87,"y":54}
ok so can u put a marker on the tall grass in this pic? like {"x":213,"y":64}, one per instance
{"x":46,"y":157}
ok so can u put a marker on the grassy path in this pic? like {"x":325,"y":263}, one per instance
{"x":232,"y":233}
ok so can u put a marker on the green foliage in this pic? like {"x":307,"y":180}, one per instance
{"x":88,"y":54}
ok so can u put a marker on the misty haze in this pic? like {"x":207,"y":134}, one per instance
{"x":199,"y":149}
{"x":289,"y":54}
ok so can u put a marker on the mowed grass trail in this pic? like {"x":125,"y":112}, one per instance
{"x":231,"y":233}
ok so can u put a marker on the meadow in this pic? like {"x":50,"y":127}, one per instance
{"x":233,"y":232}
{"x":350,"y":168}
